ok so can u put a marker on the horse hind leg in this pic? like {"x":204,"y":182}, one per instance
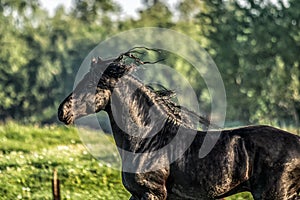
{"x":294,"y":191}
{"x":293,"y":183}
{"x":285,"y":188}
{"x":278,"y":192}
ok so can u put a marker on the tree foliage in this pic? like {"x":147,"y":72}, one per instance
{"x":255,"y":45}
{"x":255,"y":48}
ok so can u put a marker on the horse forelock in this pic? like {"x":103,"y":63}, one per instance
{"x":117,"y":67}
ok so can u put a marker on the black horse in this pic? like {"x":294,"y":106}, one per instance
{"x":260,"y":159}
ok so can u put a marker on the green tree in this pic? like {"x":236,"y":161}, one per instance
{"x":14,"y":56}
{"x":254,"y":45}
{"x":40,"y":57}
{"x":154,"y":14}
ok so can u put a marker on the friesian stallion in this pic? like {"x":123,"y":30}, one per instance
{"x":260,"y":159}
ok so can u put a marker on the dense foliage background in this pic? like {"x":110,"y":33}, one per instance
{"x":255,"y":44}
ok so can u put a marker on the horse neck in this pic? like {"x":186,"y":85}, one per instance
{"x":136,"y":117}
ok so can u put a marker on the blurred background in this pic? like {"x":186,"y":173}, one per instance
{"x":255,"y":44}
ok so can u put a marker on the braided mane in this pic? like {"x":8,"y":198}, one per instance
{"x":128,"y":62}
{"x":182,"y":114}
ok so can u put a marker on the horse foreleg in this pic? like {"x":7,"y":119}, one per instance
{"x":146,"y":186}
{"x":147,"y":196}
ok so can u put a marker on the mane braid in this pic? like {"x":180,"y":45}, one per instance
{"x":146,"y":95}
{"x":178,"y":115}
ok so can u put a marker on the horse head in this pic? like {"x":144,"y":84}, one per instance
{"x":93,"y":92}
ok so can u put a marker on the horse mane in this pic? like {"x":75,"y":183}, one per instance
{"x":128,"y":62}
{"x":181,"y":115}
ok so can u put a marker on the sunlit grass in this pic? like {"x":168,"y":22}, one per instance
{"x":29,"y":154}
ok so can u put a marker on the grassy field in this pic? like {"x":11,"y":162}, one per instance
{"x":29,"y":154}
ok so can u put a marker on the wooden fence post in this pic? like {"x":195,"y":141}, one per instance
{"x":55,"y":186}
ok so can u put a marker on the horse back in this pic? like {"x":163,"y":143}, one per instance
{"x":273,"y":144}
{"x":241,"y":158}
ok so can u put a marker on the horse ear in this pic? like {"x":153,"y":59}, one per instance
{"x":93,"y":62}
{"x":99,"y":59}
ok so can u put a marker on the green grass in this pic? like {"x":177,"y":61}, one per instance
{"x":29,"y":154}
